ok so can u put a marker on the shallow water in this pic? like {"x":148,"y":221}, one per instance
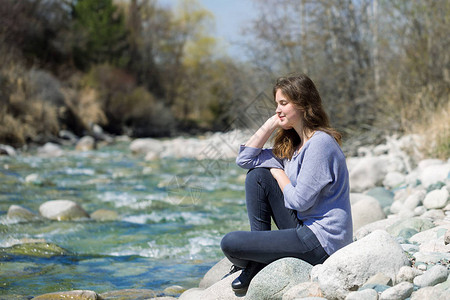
{"x":172,"y":216}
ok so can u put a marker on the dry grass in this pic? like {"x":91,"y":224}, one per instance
{"x":435,"y":129}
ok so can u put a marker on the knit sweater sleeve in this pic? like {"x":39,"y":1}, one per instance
{"x":250,"y":157}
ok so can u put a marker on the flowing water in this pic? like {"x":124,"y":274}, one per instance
{"x":172,"y":216}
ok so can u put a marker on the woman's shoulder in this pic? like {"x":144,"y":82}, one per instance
{"x":324,"y":142}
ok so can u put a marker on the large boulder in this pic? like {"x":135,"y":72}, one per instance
{"x":277,"y":278}
{"x":62,"y":210}
{"x":221,"y":290}
{"x":216,"y":273}
{"x":350,"y":267}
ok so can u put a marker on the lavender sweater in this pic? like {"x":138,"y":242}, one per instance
{"x":319,"y":188}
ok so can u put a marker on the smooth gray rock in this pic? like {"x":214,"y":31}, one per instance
{"x":436,"y":199}
{"x":216,"y":273}
{"x":86,"y":143}
{"x":394,"y":179}
{"x":350,"y":267}
{"x":380,"y":278}
{"x":414,"y":199}
{"x":75,"y":295}
{"x":366,"y":211}
{"x":7,"y":150}
{"x":303,"y":290}
{"x":434,"y":172}
{"x":221,"y":290}
{"x":367,"y":294}
{"x":62,"y":210}
{"x":418,"y":224}
{"x":377,"y":225}
{"x":431,"y":277}
{"x":126,"y":294}
{"x":367,"y":173}
{"x":21,"y":214}
{"x":105,"y":215}
{"x":400,"y":291}
{"x":430,"y":293}
{"x":430,"y":257}
{"x":277,"y":278}
{"x":384,"y":196}
{"x":50,"y":150}
{"x":407,"y":274}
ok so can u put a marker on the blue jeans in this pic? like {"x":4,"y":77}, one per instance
{"x":265,"y":200}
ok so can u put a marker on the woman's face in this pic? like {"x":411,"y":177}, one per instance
{"x":289,"y":116}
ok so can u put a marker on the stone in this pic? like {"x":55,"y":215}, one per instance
{"x":220,"y":290}
{"x":418,"y":224}
{"x":380,"y":278}
{"x":104,"y":215}
{"x":420,"y":210}
{"x":414,"y":199}
{"x":379,"y":288}
{"x":62,"y":210}
{"x":436,"y":171}
{"x":393,"y":179}
{"x":216,"y":273}
{"x":128,"y":294}
{"x":174,"y":290}
{"x":427,"y":235}
{"x":407,"y":274}
{"x":303,"y":290}
{"x":368,"y":228}
{"x":7,"y":150}
{"x":431,"y":277}
{"x":145,"y":145}
{"x":407,"y":233}
{"x":86,"y":143}
{"x":434,"y":214}
{"x":366,"y":211}
{"x":21,"y":214}
{"x":33,"y":179}
{"x":367,"y":294}
{"x":430,"y":293}
{"x":384,"y":196}
{"x":400,"y":291}
{"x":350,"y":267}
{"x":50,"y":150}
{"x":430,"y":257}
{"x":436,"y":199}
{"x":75,"y":295}
{"x":367,"y":173}
{"x":35,"y":249}
{"x":277,"y":278}
{"x":447,"y":237}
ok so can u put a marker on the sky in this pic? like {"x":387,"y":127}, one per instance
{"x":230,"y":17}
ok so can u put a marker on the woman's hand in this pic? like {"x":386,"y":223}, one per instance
{"x":280,"y":176}
{"x":260,"y":137}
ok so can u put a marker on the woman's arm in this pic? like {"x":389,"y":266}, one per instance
{"x":260,"y":137}
{"x":281,"y":177}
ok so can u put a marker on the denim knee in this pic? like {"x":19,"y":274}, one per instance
{"x":255,"y":175}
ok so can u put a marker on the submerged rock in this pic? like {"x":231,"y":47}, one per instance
{"x":40,"y":249}
{"x":21,"y":214}
{"x":104,"y":215}
{"x":128,"y":294}
{"x":62,"y":210}
{"x":75,"y":295}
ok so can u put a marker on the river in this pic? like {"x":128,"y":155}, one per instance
{"x":172,"y":214}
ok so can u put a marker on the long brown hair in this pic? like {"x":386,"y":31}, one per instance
{"x":301,"y":91}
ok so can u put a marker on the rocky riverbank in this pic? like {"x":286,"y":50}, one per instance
{"x":401,"y":210}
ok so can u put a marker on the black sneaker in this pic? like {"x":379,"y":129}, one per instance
{"x":233,"y":269}
{"x":240,"y":284}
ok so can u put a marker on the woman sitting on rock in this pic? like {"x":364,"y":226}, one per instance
{"x":302,"y":183}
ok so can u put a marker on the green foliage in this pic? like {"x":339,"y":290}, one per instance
{"x":103,"y":35}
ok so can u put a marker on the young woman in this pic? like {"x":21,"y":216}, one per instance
{"x":302,"y":183}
